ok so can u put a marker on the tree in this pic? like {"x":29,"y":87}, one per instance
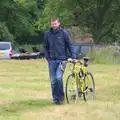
{"x":53,"y":8}
{"x":98,"y":16}
{"x":5,"y":34}
{"x":19,"y":17}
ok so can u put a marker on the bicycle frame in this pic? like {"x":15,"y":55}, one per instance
{"x":81,"y":82}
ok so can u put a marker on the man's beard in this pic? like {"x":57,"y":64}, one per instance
{"x":56,"y":29}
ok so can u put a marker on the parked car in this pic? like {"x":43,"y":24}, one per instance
{"x":7,"y":50}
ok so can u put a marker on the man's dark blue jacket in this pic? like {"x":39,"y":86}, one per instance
{"x":57,"y":45}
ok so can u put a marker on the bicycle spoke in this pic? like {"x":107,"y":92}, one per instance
{"x":89,"y":90}
{"x":71,"y":89}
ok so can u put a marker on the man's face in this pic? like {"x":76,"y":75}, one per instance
{"x":55,"y":24}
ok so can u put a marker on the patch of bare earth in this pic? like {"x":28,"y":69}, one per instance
{"x":3,"y":102}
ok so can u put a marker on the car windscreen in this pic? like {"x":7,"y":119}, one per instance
{"x":4,"y":46}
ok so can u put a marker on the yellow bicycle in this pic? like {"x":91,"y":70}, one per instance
{"x":80,"y":83}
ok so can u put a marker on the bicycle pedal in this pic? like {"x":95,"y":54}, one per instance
{"x":86,"y":89}
{"x":80,"y":94}
{"x":91,"y":90}
{"x":73,"y":97}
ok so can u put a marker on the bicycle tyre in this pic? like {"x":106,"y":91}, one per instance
{"x":89,"y":88}
{"x":73,"y":96}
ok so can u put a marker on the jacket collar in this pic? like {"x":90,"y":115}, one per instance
{"x":51,"y":30}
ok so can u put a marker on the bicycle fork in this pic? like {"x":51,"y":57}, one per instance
{"x":79,"y":87}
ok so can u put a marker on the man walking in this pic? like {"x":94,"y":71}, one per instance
{"x":56,"y":42}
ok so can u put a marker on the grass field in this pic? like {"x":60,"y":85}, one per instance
{"x":25,"y":93}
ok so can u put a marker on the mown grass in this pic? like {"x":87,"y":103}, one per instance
{"x":25,"y":93}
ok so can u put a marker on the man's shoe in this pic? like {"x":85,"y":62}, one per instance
{"x":57,"y":103}
{"x":62,"y":101}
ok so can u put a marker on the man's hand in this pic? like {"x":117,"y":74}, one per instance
{"x":69,"y":60}
{"x":72,"y":60}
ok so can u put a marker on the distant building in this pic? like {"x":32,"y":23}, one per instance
{"x":85,"y":39}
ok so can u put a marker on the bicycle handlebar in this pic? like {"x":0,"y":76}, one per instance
{"x":85,"y":62}
{"x":72,"y":61}
{"x":76,"y":61}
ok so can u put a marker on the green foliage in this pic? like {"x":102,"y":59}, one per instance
{"x":28,"y":47}
{"x":54,"y":8}
{"x":25,"y":18}
{"x":40,"y":4}
{"x":4,"y":33}
{"x":98,"y":16}
{"x":19,"y":16}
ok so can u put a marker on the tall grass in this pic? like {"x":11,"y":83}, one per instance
{"x":106,"y":55}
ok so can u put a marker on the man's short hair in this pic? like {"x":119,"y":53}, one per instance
{"x":55,"y":18}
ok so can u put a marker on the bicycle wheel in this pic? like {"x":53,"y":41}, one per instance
{"x":89,"y":90}
{"x":71,"y":89}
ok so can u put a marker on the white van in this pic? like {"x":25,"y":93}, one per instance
{"x":6,"y":50}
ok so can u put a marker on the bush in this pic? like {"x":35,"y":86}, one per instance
{"x":28,"y":47}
